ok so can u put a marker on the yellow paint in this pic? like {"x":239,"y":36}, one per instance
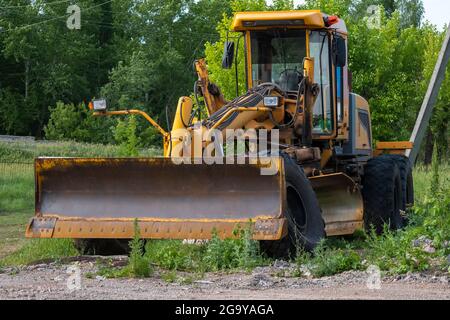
{"x":400,"y":145}
{"x":311,"y":18}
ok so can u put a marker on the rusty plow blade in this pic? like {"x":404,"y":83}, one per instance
{"x":101,"y":198}
{"x":341,"y":203}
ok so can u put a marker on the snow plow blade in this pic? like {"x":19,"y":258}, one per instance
{"x":101,"y":198}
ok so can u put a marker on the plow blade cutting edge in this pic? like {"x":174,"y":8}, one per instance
{"x":101,"y":198}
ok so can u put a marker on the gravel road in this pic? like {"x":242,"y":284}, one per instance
{"x":49,"y":281}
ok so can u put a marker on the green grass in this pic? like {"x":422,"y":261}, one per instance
{"x":26,"y":151}
{"x":174,"y":255}
{"x":215,"y":255}
{"x":17,"y":194}
{"x":40,"y":249}
{"x":393,"y":251}
{"x":16,"y":204}
{"x":241,"y":253}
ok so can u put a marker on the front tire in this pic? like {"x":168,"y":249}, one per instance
{"x":305,"y":223}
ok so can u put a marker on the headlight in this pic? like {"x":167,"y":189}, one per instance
{"x":99,"y":105}
{"x":271,"y":102}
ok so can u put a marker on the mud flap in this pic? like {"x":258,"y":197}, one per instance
{"x":341,"y":203}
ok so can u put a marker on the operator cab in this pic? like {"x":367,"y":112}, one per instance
{"x":276,"y":45}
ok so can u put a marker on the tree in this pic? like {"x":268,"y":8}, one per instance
{"x":224,"y":78}
{"x":75,"y":122}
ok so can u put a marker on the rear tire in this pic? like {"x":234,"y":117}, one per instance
{"x":305,"y":224}
{"x":382,"y":194}
{"x":405,"y":168}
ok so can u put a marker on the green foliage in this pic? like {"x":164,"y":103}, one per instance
{"x":41,"y":249}
{"x":16,"y":187}
{"x":216,"y":254}
{"x":422,"y":245}
{"x":394,"y":252}
{"x":326,"y":261}
{"x":70,"y":122}
{"x":17,"y":181}
{"x":25,"y":152}
{"x":433,"y":212}
{"x":174,"y":255}
{"x":14,"y":116}
{"x":125,"y":136}
{"x":242,"y":252}
{"x":138,"y":265}
{"x":402,"y":251}
{"x":170,"y":276}
{"x":225,"y":78}
{"x":139,"y":55}
{"x":434,"y":185}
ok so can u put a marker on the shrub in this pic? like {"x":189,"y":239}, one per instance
{"x":393,"y":251}
{"x":70,"y":122}
{"x":241,"y":252}
{"x":326,"y":261}
{"x":138,"y":265}
{"x":125,"y":136}
{"x":174,"y":255}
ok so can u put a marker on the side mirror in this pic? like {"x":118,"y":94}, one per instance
{"x":228,"y":55}
{"x":339,"y":51}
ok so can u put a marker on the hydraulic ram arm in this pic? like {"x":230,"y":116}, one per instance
{"x":133,"y":111}
{"x":430,"y":99}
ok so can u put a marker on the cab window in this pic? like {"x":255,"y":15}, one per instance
{"x":277,"y":57}
{"x":322,"y":111}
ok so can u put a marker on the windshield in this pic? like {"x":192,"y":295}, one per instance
{"x":277,"y":57}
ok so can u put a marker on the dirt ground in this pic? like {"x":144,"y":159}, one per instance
{"x":52,"y":281}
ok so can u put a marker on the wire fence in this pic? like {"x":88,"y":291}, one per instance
{"x":15,"y":171}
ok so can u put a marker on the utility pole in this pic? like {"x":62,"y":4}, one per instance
{"x":430,"y":99}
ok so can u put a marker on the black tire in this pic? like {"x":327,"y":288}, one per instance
{"x":305,"y":223}
{"x":382,"y":194}
{"x":405,"y":168}
{"x":102,"y":247}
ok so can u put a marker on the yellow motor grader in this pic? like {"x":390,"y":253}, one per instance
{"x":292,"y":158}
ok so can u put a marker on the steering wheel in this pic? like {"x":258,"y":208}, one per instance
{"x":285,"y":79}
{"x":294,"y":71}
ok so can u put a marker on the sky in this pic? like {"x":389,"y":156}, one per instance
{"x":436,"y":11}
